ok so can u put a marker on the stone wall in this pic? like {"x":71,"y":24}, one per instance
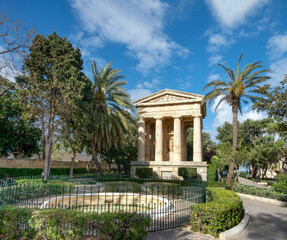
{"x":38,"y":163}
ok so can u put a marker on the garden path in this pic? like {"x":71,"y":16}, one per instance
{"x":251,"y":183}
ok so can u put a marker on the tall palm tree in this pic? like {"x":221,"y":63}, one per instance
{"x":110,"y":111}
{"x":241,"y":86}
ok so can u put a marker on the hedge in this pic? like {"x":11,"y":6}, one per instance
{"x":216,"y":184}
{"x":223,"y":211}
{"x":155,"y":188}
{"x":261,"y":192}
{"x":211,"y":172}
{"x":187,"y":172}
{"x":60,"y":224}
{"x":21,"y":172}
{"x":144,"y":172}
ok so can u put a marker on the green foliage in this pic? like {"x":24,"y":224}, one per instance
{"x":282,"y":178}
{"x":11,"y":223}
{"x":280,"y":187}
{"x":187,"y":172}
{"x":22,"y":172}
{"x":216,"y":184}
{"x":222,"y":212}
{"x":122,"y":186}
{"x":260,"y":192}
{"x":18,"y":133}
{"x":211,"y":172}
{"x":60,"y":224}
{"x":144,"y":172}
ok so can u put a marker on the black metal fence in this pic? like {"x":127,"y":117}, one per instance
{"x":167,"y":202}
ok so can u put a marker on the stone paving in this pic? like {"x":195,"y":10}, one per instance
{"x":251,"y":183}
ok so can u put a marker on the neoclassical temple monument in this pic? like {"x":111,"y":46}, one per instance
{"x":164,"y":118}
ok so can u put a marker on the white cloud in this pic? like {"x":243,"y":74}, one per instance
{"x":277,"y":45}
{"x":216,"y":41}
{"x":136,"y":24}
{"x":232,"y":13}
{"x":279,"y":69}
{"x":138,"y":93}
{"x":224,"y":113}
{"x":213,"y":77}
{"x":214,"y":60}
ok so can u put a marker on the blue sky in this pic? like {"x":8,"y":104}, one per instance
{"x":167,"y":44}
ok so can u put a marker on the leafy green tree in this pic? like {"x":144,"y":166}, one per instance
{"x":241,"y":86}
{"x":224,"y":133}
{"x":52,"y":84}
{"x":108,"y":118}
{"x":18,"y":133}
{"x":208,"y":146}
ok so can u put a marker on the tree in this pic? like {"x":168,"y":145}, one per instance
{"x":15,"y":39}
{"x":208,"y":146}
{"x":108,"y":117}
{"x":52,"y":84}
{"x":224,"y":133}
{"x":18,"y":133}
{"x":241,"y":86}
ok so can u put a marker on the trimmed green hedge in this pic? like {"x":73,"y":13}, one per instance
{"x":144,"y":172}
{"x":282,"y":178}
{"x":52,"y":224}
{"x":261,"y":192}
{"x":216,"y":184}
{"x":22,"y":172}
{"x":223,"y":211}
{"x":162,"y":188}
{"x":211,"y":172}
{"x":187,"y":172}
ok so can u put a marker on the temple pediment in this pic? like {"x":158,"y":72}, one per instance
{"x":168,"y":96}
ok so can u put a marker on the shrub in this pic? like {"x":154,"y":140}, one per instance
{"x":122,"y":187}
{"x":144,"y":172}
{"x":280,"y":187}
{"x":260,"y":192}
{"x":216,"y":184}
{"x":12,"y":221}
{"x":60,"y":224}
{"x":243,"y":174}
{"x":187,"y":172}
{"x":224,"y":211}
{"x":282,"y":178}
{"x":211,"y":172}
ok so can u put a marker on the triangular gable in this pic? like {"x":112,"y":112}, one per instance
{"x":169,"y":96}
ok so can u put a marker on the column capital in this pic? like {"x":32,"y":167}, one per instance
{"x":198,"y":115}
{"x":141,"y":119}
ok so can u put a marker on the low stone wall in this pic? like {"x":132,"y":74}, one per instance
{"x":38,"y":163}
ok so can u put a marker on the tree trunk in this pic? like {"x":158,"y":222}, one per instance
{"x":234,"y":145}
{"x":47,"y":157}
{"x":72,"y":165}
{"x":94,"y":157}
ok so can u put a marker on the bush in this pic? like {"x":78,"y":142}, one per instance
{"x":187,"y":172}
{"x":21,"y":172}
{"x":211,"y":172}
{"x":144,"y":172}
{"x":280,"y":187}
{"x":122,"y":187}
{"x":224,"y":211}
{"x":243,"y":174}
{"x":282,"y":178}
{"x":216,"y":184}
{"x":260,"y":192}
{"x":60,"y":224}
{"x":12,"y":221}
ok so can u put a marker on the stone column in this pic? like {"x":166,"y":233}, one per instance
{"x":177,"y":153}
{"x":148,"y":143}
{"x":197,"y":141}
{"x":158,"y":140}
{"x":141,"y":140}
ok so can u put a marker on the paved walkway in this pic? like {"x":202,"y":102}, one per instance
{"x":267,"y":221}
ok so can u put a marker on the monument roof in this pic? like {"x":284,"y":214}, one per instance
{"x":168,"y":96}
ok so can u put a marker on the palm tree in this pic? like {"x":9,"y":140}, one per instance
{"x":110,"y":111}
{"x":242,"y":86}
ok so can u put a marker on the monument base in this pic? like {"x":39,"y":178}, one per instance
{"x":169,"y":169}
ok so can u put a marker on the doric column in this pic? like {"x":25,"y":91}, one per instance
{"x":177,"y":153}
{"x":141,"y":140}
{"x":158,"y":140}
{"x":148,"y":143}
{"x":197,"y":141}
